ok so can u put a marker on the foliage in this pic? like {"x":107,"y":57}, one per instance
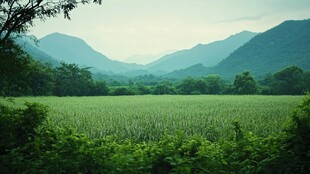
{"x":122,"y":91}
{"x":190,"y":86}
{"x":13,"y":69}
{"x":100,"y":88}
{"x":164,"y":87}
{"x":289,"y":81}
{"x":72,"y":80}
{"x":244,"y":84}
{"x":18,"y":126}
{"x":54,"y":150}
{"x":40,"y":79}
{"x":18,"y":15}
{"x":20,"y":75}
{"x":298,"y":135}
{"x":284,"y":45}
{"x":212,"y":84}
{"x":215,"y":84}
{"x":140,"y":89}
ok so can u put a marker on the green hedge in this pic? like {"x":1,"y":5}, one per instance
{"x":30,"y":145}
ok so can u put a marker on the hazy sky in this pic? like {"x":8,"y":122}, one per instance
{"x":122,"y":28}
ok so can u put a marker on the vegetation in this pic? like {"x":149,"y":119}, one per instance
{"x":208,"y":55}
{"x":22,"y":76}
{"x":282,"y":46}
{"x":142,"y":134}
{"x":292,"y":80}
{"x":147,"y":118}
{"x":46,"y":149}
{"x":18,"y":15}
{"x":244,"y":84}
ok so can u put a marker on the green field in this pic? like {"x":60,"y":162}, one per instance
{"x":149,"y":117}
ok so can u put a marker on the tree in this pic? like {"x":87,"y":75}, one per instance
{"x":214,"y":84}
{"x":16,"y":16}
{"x":289,"y":81}
{"x":266,"y":84}
{"x":100,"y":88}
{"x":306,"y":82}
{"x":244,"y":84}
{"x":187,"y":86}
{"x":192,"y":86}
{"x":72,"y":80}
{"x":164,"y":87}
{"x":40,"y":79}
{"x":140,"y":89}
{"x":201,"y":86}
{"x":14,"y":64}
{"x":122,"y":91}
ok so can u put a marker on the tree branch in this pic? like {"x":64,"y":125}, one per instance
{"x":18,"y":17}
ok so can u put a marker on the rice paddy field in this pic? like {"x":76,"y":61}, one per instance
{"x":148,"y":118}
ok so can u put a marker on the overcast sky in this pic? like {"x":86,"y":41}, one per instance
{"x":122,"y":28}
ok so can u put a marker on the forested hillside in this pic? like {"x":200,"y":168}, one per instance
{"x":75,"y":50}
{"x":30,"y":47}
{"x":282,"y":46}
{"x":207,"y":54}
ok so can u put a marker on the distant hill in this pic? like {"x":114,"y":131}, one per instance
{"x":282,"y":46}
{"x":197,"y":70}
{"x":207,"y":55}
{"x":74,"y":50}
{"x":28,"y":45}
{"x":146,"y":59}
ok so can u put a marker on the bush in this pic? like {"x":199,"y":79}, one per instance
{"x":18,"y":126}
{"x":122,"y":91}
{"x":18,"y":129}
{"x":298,"y":138}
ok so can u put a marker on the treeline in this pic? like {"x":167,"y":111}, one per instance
{"x":20,"y":75}
{"x":40,"y":80}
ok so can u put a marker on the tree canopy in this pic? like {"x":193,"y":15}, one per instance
{"x":244,"y":84}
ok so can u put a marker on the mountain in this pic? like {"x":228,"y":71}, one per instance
{"x":74,"y":50}
{"x":273,"y":50}
{"x":146,"y":59}
{"x":140,"y":59}
{"x":29,"y":46}
{"x":197,"y":70}
{"x":284,"y":45}
{"x":207,"y":55}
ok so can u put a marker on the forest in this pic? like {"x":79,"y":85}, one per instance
{"x":23,"y":76}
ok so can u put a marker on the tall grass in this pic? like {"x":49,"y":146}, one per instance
{"x":149,"y":117}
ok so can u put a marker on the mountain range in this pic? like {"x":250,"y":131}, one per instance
{"x":284,"y":45}
{"x":146,"y":58}
{"x":206,"y":54}
{"x":74,"y":50}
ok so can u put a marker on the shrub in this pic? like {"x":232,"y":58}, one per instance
{"x":298,"y":137}
{"x":18,"y":126}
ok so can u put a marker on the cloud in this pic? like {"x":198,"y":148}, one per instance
{"x":245,"y":18}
